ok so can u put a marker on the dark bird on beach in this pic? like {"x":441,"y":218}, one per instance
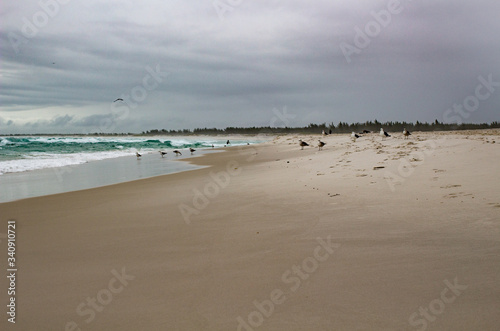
{"x":138,"y":155}
{"x":119,"y":99}
{"x":406,"y":133}
{"x":302,"y":144}
{"x":383,"y":133}
{"x":228,"y":143}
{"x":366,"y":131}
{"x":212,"y":145}
{"x":163,"y":153}
{"x":192,"y":150}
{"x":320,"y":144}
{"x":177,"y":153}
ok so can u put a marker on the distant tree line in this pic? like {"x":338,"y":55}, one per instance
{"x":341,"y":127}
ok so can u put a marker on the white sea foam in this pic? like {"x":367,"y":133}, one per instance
{"x":4,"y":141}
{"x":37,"y":161}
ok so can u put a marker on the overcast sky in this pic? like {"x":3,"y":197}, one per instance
{"x":186,"y":64}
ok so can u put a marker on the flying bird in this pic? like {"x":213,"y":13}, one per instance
{"x":320,"y":145}
{"x":119,"y":99}
{"x":162,"y":153}
{"x":302,"y":144}
{"x":406,"y":133}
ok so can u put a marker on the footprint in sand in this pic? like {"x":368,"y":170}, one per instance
{"x":438,"y":170}
{"x":450,"y":186}
{"x":459,"y":194}
{"x":494,"y":205}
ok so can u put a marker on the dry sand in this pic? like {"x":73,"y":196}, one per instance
{"x":279,"y":239}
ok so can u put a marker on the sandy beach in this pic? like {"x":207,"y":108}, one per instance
{"x":375,"y":234}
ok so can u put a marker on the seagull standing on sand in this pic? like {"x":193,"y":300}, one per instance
{"x":354,"y":136}
{"x":162,"y":153}
{"x":192,"y":150}
{"x":138,"y":155}
{"x":302,"y":143}
{"x":320,"y":145}
{"x":177,"y":153}
{"x":383,"y":133}
{"x":406,"y":133}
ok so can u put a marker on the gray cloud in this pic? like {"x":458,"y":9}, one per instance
{"x":235,"y":70}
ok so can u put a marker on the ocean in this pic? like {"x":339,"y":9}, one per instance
{"x":33,"y":166}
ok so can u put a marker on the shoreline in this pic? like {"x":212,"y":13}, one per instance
{"x":58,"y":180}
{"x":53,"y":180}
{"x":316,"y":239}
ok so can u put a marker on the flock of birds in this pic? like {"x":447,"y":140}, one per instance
{"x":163,"y":153}
{"x":354,"y":136}
{"x":177,"y":152}
{"x":302,"y":143}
